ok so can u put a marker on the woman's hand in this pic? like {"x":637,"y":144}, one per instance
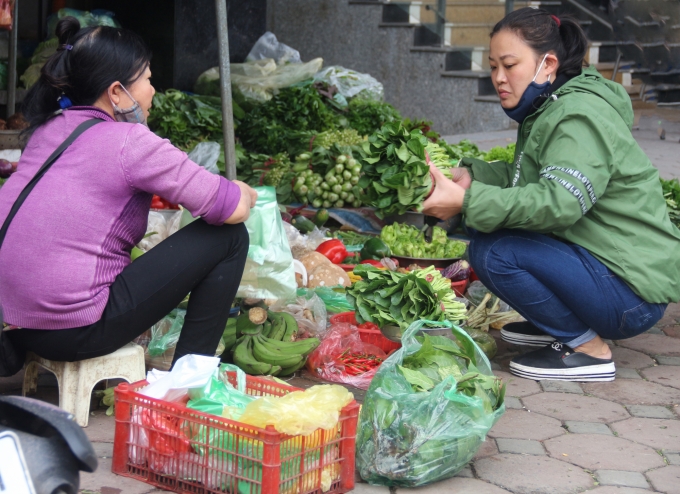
{"x":462,"y":177}
{"x":245,"y":203}
{"x":446,"y":200}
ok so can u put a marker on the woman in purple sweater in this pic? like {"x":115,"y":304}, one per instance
{"x":67,"y":287}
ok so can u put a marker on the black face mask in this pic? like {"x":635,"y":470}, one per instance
{"x":526,"y":102}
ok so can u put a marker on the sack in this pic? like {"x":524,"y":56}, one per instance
{"x":11,"y":358}
{"x":411,"y":438}
{"x":269,"y":271}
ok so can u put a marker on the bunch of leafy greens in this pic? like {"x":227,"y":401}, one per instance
{"x":671,"y":192}
{"x":187,"y":119}
{"x":385,"y":297}
{"x":500,"y":153}
{"x":464,"y":149}
{"x":396,"y":175}
{"x":440,"y":357}
{"x":286,"y":122}
{"x":427,"y":411}
{"x":367,"y":116}
{"x":407,"y":240}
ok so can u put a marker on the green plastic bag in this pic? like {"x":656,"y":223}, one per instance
{"x":269,"y":271}
{"x":218,"y":393}
{"x":408,"y":438}
{"x":161,"y":340}
{"x":334,"y":299}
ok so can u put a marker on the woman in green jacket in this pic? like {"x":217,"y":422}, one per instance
{"x":574,"y":234}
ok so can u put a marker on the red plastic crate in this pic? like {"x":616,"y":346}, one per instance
{"x":366,"y":333}
{"x":459,"y":287}
{"x":175,"y":448}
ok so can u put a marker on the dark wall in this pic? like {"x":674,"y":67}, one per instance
{"x":183,"y":34}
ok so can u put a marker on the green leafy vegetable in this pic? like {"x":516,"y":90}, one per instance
{"x":367,"y":116}
{"x":671,"y":192}
{"x":500,"y":153}
{"x":407,"y":240}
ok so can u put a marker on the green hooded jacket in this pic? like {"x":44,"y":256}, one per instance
{"x":580,"y":176}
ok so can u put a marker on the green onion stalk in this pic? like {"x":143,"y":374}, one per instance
{"x":453,"y":309}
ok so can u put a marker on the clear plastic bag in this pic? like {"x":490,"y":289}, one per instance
{"x":301,"y":244}
{"x":269,"y":272}
{"x":161,"y":225}
{"x":309,"y":312}
{"x":206,"y":154}
{"x":261,"y":79}
{"x":408,"y":438}
{"x":334,"y":300}
{"x":351,"y":84}
{"x":323,"y":362}
{"x":267,"y":46}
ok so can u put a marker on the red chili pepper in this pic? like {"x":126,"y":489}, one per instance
{"x":157,"y":203}
{"x":373,"y":262}
{"x":334,"y":250}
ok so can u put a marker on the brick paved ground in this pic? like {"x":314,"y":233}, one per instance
{"x":555,"y":438}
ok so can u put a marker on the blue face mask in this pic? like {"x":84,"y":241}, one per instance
{"x":134,"y":114}
{"x":526,"y":102}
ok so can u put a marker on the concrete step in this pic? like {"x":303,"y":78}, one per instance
{"x":468,"y":33}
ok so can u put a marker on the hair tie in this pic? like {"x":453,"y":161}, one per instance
{"x":557,"y":20}
{"x":65,"y":102}
{"x":67,"y":47}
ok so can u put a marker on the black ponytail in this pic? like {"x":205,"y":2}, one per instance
{"x":544,"y":32}
{"x":86,"y":63}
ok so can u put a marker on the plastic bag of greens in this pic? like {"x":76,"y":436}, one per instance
{"x":335,"y":300}
{"x":427,"y":411}
{"x":350,"y":83}
{"x":165,"y":333}
{"x":269,"y":271}
{"x":219,"y":397}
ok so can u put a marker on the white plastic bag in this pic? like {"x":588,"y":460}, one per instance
{"x":269,"y":47}
{"x":350,"y":83}
{"x":206,"y":154}
{"x":309,"y":312}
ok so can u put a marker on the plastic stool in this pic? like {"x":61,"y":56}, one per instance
{"x":77,"y":379}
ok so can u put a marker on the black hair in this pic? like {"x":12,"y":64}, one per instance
{"x":544,"y":32}
{"x":86,"y":63}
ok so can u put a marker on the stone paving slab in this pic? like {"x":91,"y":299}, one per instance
{"x":621,"y":479}
{"x":520,"y":446}
{"x":456,"y":485}
{"x":561,"y":387}
{"x":362,"y":488}
{"x":666,"y":479}
{"x":600,"y":452}
{"x":630,"y":359}
{"x":633,"y":392}
{"x":667,"y":375}
{"x":653,"y":344}
{"x":618,"y":490}
{"x":650,"y":412}
{"x":526,"y":474}
{"x":655,"y":433}
{"x":573,"y":407}
{"x":673,"y":458}
{"x":518,"y":387}
{"x":521,"y":424}
{"x":667,"y":360}
{"x":512,"y":403}
{"x":103,"y":479}
{"x":623,"y":373}
{"x":576,"y":427}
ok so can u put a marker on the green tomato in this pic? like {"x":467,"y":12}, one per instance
{"x":303,"y":157}
{"x":327,"y":204}
{"x":337,"y":188}
{"x":339,"y":203}
{"x":303,"y":190}
{"x":354,"y":180}
{"x":347,"y":174}
{"x":339,"y":169}
{"x":333,"y":197}
{"x":329,"y":175}
{"x":318,"y":190}
{"x":351,"y":163}
{"x":300,"y":180}
{"x":341,"y":159}
{"x":347,"y":186}
{"x":317,"y":203}
{"x":325,"y":194}
{"x":343,"y":195}
{"x":356,"y":170}
{"x":349,"y":197}
{"x":356,"y":203}
{"x":332,"y":181}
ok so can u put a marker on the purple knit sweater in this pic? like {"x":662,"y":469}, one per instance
{"x":74,"y":232}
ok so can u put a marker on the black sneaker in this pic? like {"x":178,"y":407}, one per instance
{"x":525,"y":333}
{"x":560,"y":363}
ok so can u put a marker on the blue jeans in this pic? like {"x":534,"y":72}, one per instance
{"x":559,"y":287}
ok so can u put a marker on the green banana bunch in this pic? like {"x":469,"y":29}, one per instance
{"x":268,"y":348}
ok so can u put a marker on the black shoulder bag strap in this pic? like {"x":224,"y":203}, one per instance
{"x":11,"y":358}
{"x":43,"y":169}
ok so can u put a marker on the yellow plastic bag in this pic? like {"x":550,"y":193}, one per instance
{"x":299,"y":412}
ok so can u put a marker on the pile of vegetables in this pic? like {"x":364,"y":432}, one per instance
{"x":396,"y":175}
{"x":385,"y":297}
{"x":407,"y":240}
{"x":671,"y":192}
{"x":366,"y":116}
{"x":337,"y":188}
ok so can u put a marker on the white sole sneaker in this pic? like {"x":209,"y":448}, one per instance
{"x":591,"y":373}
{"x":526,"y":340}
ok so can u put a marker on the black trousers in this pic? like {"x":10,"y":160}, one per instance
{"x":203,"y":259}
